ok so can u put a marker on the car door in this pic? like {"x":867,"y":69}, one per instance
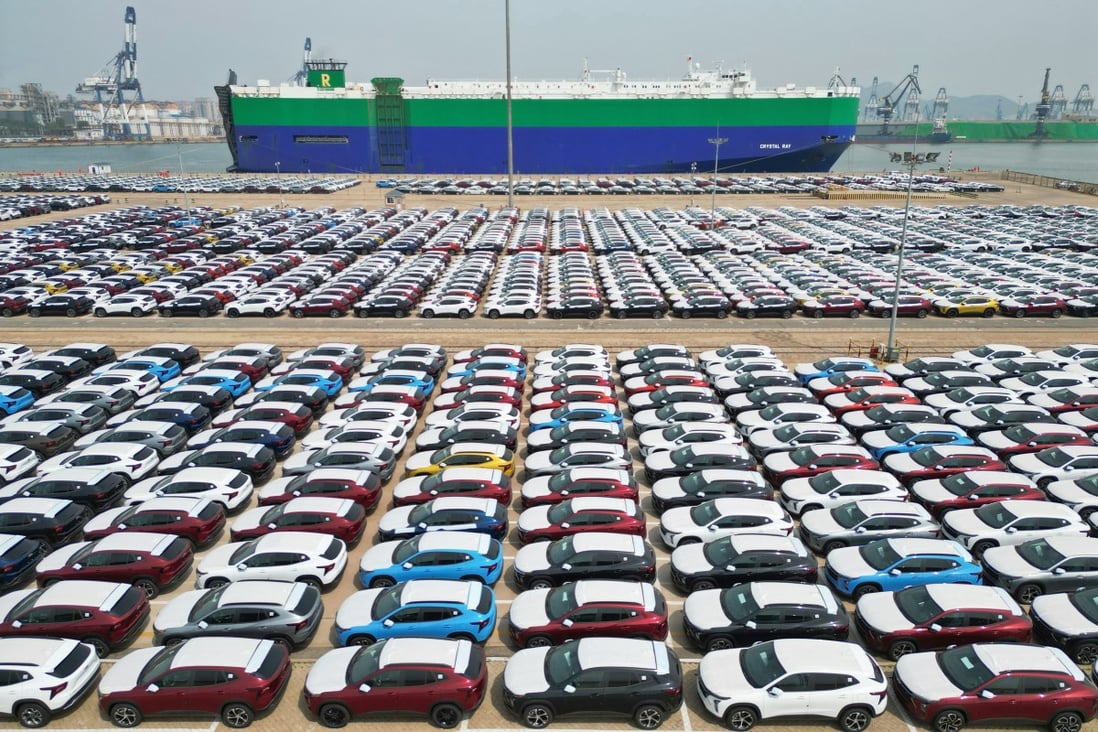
{"x":999,"y":699}
{"x":451,"y":521}
{"x":386,"y":691}
{"x":1073,"y":574}
{"x":586,"y":691}
{"x":788,"y":696}
{"x":171,"y":692}
{"x":404,"y":621}
{"x":13,"y":687}
{"x":831,"y":693}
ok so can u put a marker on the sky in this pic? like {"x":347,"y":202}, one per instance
{"x":185,"y":48}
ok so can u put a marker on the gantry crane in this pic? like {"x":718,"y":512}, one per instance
{"x":120,"y":118}
{"x":1057,"y":103}
{"x":302,"y":75}
{"x":941,"y":105}
{"x":873,"y":102}
{"x":1084,"y":102}
{"x":909,"y":87}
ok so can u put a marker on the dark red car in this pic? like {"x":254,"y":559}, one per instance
{"x":108,"y":615}
{"x":339,"y":517}
{"x":660,"y":380}
{"x":297,"y":416}
{"x":342,"y":365}
{"x":941,"y":461}
{"x":492,"y":350}
{"x":12,"y":305}
{"x":909,"y":306}
{"x":849,"y":381}
{"x":583,"y":513}
{"x":565,"y":395}
{"x":846,"y":306}
{"x":867,"y":397}
{"x":605,"y":608}
{"x":148,"y":561}
{"x":546,"y":489}
{"x":490,"y":394}
{"x":972,"y":490}
{"x":254,"y":367}
{"x":360,"y":486}
{"x":196,"y":519}
{"x":810,"y":460}
{"x":465,"y":482}
{"x":322,"y":305}
{"x":510,"y":381}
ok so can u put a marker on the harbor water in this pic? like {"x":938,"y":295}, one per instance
{"x":1073,"y":161}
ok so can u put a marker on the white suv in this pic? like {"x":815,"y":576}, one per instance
{"x":43,"y":676}
{"x":296,"y":556}
{"x":793,"y":677}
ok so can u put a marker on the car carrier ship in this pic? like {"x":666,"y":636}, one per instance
{"x":601,"y":123}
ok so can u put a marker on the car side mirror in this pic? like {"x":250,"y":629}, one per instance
{"x":421,"y":525}
{"x":730,"y":567}
{"x":203,"y":624}
{"x":388,"y":623}
{"x":433,"y":492}
{"x":894,"y":572}
{"x":78,"y":566}
{"x":121,"y":527}
{"x":566,"y":567}
{"x":985,"y":694}
{"x":241,"y":567}
{"x":774,"y":691}
{"x":1011,"y":530}
{"x":364,"y":688}
{"x":152,"y":688}
{"x":859,"y":530}
{"x":406,"y":565}
{"x":568,"y":622}
{"x":564,"y":492}
{"x":751,"y":624}
{"x":565,"y":525}
{"x":1059,"y":570}
{"x":701,"y":494}
{"x":17,"y":623}
{"x":935,"y":627}
{"x":272,"y":526}
{"x":569,"y":689}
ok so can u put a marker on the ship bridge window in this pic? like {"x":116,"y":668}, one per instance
{"x":249,"y":138}
{"x":321,"y":139}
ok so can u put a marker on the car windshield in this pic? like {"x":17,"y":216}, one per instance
{"x":771,"y":413}
{"x":994,"y":515}
{"x":560,"y":601}
{"x":705,"y":513}
{"x":879,"y":555}
{"x":406,"y":550}
{"x":900,"y":433}
{"x":720,"y":553}
{"x":1054,"y":457}
{"x":560,"y":481}
{"x":674,"y":432}
{"x":694,"y":483}
{"x":562,"y":663}
{"x":958,"y":484}
{"x":387,"y":602}
{"x":1019,"y":433}
{"x":561,"y":551}
{"x":848,"y":516}
{"x":738,"y":603}
{"x":242,"y":553}
{"x":1086,"y":602}
{"x":824,"y":482}
{"x":824,"y":364}
{"x":760,"y":665}
{"x":364,"y":663}
{"x":159,"y":664}
{"x":964,"y":668}
{"x":926,"y":456}
{"x":1040,"y":554}
{"x":419,"y":514}
{"x":559,"y":512}
{"x":916,"y":604}
{"x":206,"y":604}
{"x":787,"y":432}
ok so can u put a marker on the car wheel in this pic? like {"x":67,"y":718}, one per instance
{"x":214,"y":582}
{"x":750,"y":314}
{"x":166,"y":313}
{"x":400,"y":313}
{"x":446,"y":716}
{"x":740,"y":719}
{"x":1056,"y":313}
{"x":125,"y":715}
{"x":428,"y":313}
{"x":722,"y":314}
{"x":539,"y":641}
{"x":378,"y":582}
{"x":204,"y":313}
{"x":333,"y":313}
{"x":1066,"y":722}
{"x":537,"y":716}
{"x":34,"y":313}
{"x":268,"y":313}
{"x":102,"y":649}
{"x":297,"y":313}
{"x":1085,"y":653}
{"x":817,"y":314}
{"x":172,"y":640}
{"x":950,"y":720}
{"x":980,"y":547}
{"x":854,"y":314}
{"x":719,"y":644}
{"x":901,"y":648}
{"x":855,"y":719}
{"x":1020,"y":313}
{"x":988,"y":312}
{"x":592,"y":314}
{"x":557,"y":314}
{"x":147,"y":586}
{"x":540,"y":584}
{"x":863,"y":590}
{"x":687,"y":540}
{"x":703,"y":585}
{"x":101,"y":313}
{"x":312,"y":582}
{"x":70,"y":312}
{"x":952,"y":313}
{"x":494,"y":314}
{"x":921,"y":313}
{"x":810,"y":507}
{"x":136,"y":313}
{"x":648,"y":716}
{"x":7,"y":312}
{"x":464,"y":314}
{"x":237,"y":715}
{"x":32,"y":715}
{"x":333,"y":715}
{"x":1027,"y":593}
{"x":685,"y":315}
{"x":361,"y":640}
{"x":833,"y":545}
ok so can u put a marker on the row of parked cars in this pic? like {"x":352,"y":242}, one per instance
{"x":83,"y":183}
{"x":17,"y":207}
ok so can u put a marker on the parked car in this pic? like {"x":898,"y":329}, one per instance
{"x":454,"y":555}
{"x":297,"y":556}
{"x":742,"y":558}
{"x":893,"y":564}
{"x":45,"y":677}
{"x":860,"y":522}
{"x":1069,"y":621}
{"x":605,"y":608}
{"x":592,"y":555}
{"x":199,"y":520}
{"x":1039,"y":566}
{"x":151,"y":562}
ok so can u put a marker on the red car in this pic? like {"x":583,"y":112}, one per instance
{"x":297,"y":416}
{"x":868,"y":397}
{"x":490,"y":394}
{"x":1045,"y":305}
{"x":846,"y":306}
{"x":1022,"y":438}
{"x":849,"y":381}
{"x":572,"y":379}
{"x":1086,"y":420}
{"x":235,"y":678}
{"x":938,"y":616}
{"x":547,"y":489}
{"x":1068,"y":399}
{"x":10,"y":305}
{"x":108,"y":615}
{"x":455,"y":673}
{"x":909,"y":306}
{"x":339,"y":517}
{"x":995,"y":681}
{"x":509,"y":380}
{"x":148,"y":561}
{"x":567,"y":394}
{"x":583,"y":513}
{"x":972,"y":490}
{"x":324,"y":305}
{"x":605,"y":608}
{"x":466,"y":482}
{"x":254,"y":367}
{"x":805,"y":462}
{"x":342,"y":365}
{"x":413,"y":396}
{"x":196,"y":519}
{"x":360,"y":486}
{"x":492,"y":350}
{"x":662,"y":379}
{"x":941,"y":461}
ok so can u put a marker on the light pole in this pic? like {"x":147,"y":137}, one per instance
{"x":278,"y":174}
{"x":716,"y":142}
{"x":183,"y":183}
{"x":510,"y":122}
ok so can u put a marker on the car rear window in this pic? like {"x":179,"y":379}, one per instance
{"x":70,"y":663}
{"x":272,"y":662}
{"x":129,"y":600}
{"x":333,"y":549}
{"x":308,"y":601}
{"x":209,"y":511}
{"x":476,"y":663}
{"x":176,"y":548}
{"x":487,"y":599}
{"x":494,"y":549}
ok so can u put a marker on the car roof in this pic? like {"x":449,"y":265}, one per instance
{"x":24,"y":650}
{"x":637,"y":593}
{"x":455,"y":540}
{"x":446,"y":503}
{"x":136,"y":541}
{"x":1001,"y":657}
{"x":623,"y":653}
{"x":431,"y":590}
{"x":1073,"y":546}
{"x":601,"y":540}
{"x":83,"y":593}
{"x":48,"y":507}
{"x":318,"y":504}
{"x":911,"y":547}
{"x":434,"y":651}
{"x":791,"y":593}
{"x":297,"y":540}
{"x":766,"y":542}
{"x":184,"y":504}
{"x":818,"y":655}
{"x":263,"y":592}
{"x":223,"y":652}
{"x":950,"y":596}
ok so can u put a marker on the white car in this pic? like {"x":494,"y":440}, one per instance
{"x":507,"y":306}
{"x":136,"y":306}
{"x":13,"y":355}
{"x":589,"y":363}
{"x":723,"y":517}
{"x":735,"y":350}
{"x":388,"y":433}
{"x":230,"y":488}
{"x":577,"y":455}
{"x":16,"y":461}
{"x":267,"y":304}
{"x":791,"y":436}
{"x":140,"y":383}
{"x":1037,"y":381}
{"x":968,"y":397}
{"x":553,"y":381}
{"x":780,"y":414}
{"x":474,"y":411}
{"x":294,"y":556}
{"x":479,"y":396}
{"x":836,"y":487}
{"x":461,"y":306}
{"x":132,"y":461}
{"x":43,"y":676}
{"x":571,"y":350}
{"x":1057,"y":463}
{"x":687,"y":433}
{"x":1010,"y":522}
{"x":368,"y":411}
{"x":1070,"y":353}
{"x":991,"y":352}
{"x":671,"y":414}
{"x":793,"y":677}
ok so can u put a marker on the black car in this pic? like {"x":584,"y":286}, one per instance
{"x":494,"y":434}
{"x":767,"y":306}
{"x":641,"y":679}
{"x":743,"y":558}
{"x":67,"y":367}
{"x":639,"y":307}
{"x":704,"y":485}
{"x":689,"y":459}
{"x":97,"y":354}
{"x":18,"y":558}
{"x":212,"y":398}
{"x":191,"y":417}
{"x":37,"y":382}
{"x":312,"y":398}
{"x":257,"y":461}
{"x":1069,"y":621}
{"x":755,"y":612}
{"x":703,"y":305}
{"x":394,"y":306}
{"x":279,"y":437}
{"x":183,"y":354}
{"x":575,"y":307}
{"x":884,"y":416}
{"x":200,"y":306}
{"x":589,"y":555}
{"x":63,"y":304}
{"x":90,"y":487}
{"x":49,"y":520}
{"x":551,"y":439}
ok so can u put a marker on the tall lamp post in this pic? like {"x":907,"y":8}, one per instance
{"x":510,"y":122}
{"x":278,"y":174}
{"x":183,"y":183}
{"x":716,"y":142}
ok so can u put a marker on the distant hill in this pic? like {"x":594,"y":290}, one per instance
{"x":977,"y":106}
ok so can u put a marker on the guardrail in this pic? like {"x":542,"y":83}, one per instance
{"x":1046,"y":181}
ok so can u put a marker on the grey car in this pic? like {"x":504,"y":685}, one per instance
{"x":863,"y":521}
{"x":113,"y":399}
{"x":285,"y":612}
{"x":164,"y":437}
{"x":83,"y":418}
{"x":372,"y":456}
{"x":1046,"y":565}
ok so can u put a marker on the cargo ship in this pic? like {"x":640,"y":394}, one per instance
{"x":602,"y":122}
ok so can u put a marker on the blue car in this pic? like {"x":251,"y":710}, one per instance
{"x":235,"y":382}
{"x":911,"y":437}
{"x":14,"y":399}
{"x":495,"y":364}
{"x":442,"y":555}
{"x":418,"y":379}
{"x":823,"y":368}
{"x":445,"y":514}
{"x":164,"y":369}
{"x":890,"y":565}
{"x":575,"y":412}
{"x":329,"y":382}
{"x":423,"y":608}
{"x":275,"y":435}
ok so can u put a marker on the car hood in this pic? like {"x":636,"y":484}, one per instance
{"x":536,"y":487}
{"x":525,"y":672}
{"x":218,"y":558}
{"x":678,"y":520}
{"x":539,"y":461}
{"x":379,"y":556}
{"x":178,"y":610}
{"x":418,"y":460}
{"x":1007,"y":562}
{"x":723,"y":675}
{"x":965,"y":521}
{"x":329,"y":672}
{"x":104,"y":520}
{"x":690,"y":558}
{"x":704,"y":609}
{"x":123,"y":674}
{"x":847,"y":561}
{"x":667,"y":488}
{"x":59,"y":557}
{"x":995,"y":440}
{"x":250,"y":519}
{"x":924,"y":678}
{"x":779,"y":462}
{"x":877,"y":438}
{"x":298,"y":461}
{"x":879,"y":611}
{"x":358,"y":608}
{"x":396,"y":518}
{"x":275,"y":488}
{"x":532,"y":558}
{"x":528,"y":609}
{"x":930,"y":490}
{"x":536,"y":517}
{"x":821,"y":523}
{"x":901,"y":462}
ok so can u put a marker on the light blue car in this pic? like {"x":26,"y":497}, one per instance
{"x":329,"y":382}
{"x":452,"y":555}
{"x":235,"y":382}
{"x":14,"y":399}
{"x":424,"y":608}
{"x":890,"y":565}
{"x":911,"y":437}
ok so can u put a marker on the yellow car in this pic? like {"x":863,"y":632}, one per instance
{"x":173,"y":267}
{"x":120,"y":267}
{"x":53,"y":288}
{"x":461,"y":455}
{"x":969,"y":305}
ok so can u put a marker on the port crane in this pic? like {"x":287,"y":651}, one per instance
{"x":1043,"y":108}
{"x":120,"y":118}
{"x":302,"y":75}
{"x":1084,"y":101}
{"x":909,"y":88}
{"x":873,"y":102}
{"x":1058,"y":102}
{"x":940,"y":106}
